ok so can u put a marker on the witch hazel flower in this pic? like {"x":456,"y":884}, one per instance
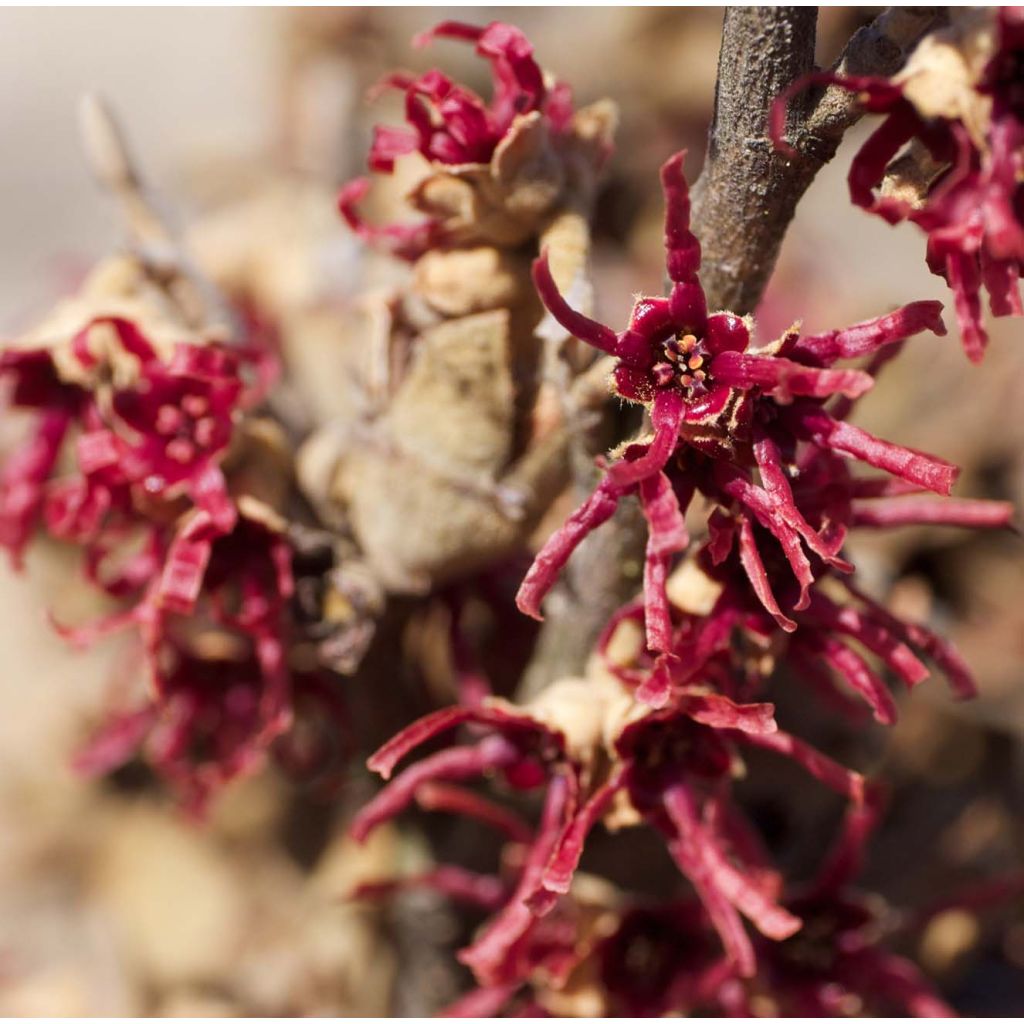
{"x":528,"y":753}
{"x":171,"y":431}
{"x":599,"y":952}
{"x":661,"y":959}
{"x":498,"y":170}
{"x":216,"y":627}
{"x":209,"y":723}
{"x":674,"y":768}
{"x":619,"y":956}
{"x":837,"y":630}
{"x":601,"y":757}
{"x":838,"y":964}
{"x":728,"y":423}
{"x":451,"y":124}
{"x":948,"y":157}
{"x":144,"y":426}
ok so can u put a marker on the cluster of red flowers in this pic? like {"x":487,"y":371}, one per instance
{"x":763,"y":436}
{"x":129,"y":459}
{"x":125,"y":461}
{"x":721,"y":414}
{"x":641,"y":958}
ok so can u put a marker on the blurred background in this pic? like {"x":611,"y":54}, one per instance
{"x":245,"y":121}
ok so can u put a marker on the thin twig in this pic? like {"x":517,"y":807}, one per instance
{"x":150,"y":236}
{"x":748,"y":192}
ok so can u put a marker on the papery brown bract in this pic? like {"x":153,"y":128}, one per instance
{"x":467,"y":333}
{"x":456,"y":474}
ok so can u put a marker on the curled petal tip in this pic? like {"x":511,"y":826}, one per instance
{"x":359,"y":831}
{"x":530,"y":612}
{"x":447,"y":30}
{"x":380,"y":764}
{"x":349,"y":195}
{"x":673,"y":165}
{"x":353,"y":191}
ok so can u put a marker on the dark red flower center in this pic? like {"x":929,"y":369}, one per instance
{"x":665,"y":752}
{"x":1006,"y":80}
{"x":816,"y":947}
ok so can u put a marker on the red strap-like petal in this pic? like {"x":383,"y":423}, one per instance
{"x":578,"y":325}
{"x":551,"y":558}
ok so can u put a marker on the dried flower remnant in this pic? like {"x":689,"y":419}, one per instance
{"x":959,"y":106}
{"x":498,"y":172}
{"x":466,"y":334}
{"x":721,"y":413}
{"x":338,"y":599}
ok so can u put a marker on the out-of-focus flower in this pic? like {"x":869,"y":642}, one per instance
{"x":599,"y":952}
{"x":451,"y":124}
{"x":35,"y":385}
{"x":837,"y":965}
{"x":149,"y":428}
{"x":139,"y":425}
{"x":959,"y":104}
{"x":215,"y":626}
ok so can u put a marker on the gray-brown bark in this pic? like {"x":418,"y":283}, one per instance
{"x":748,"y":192}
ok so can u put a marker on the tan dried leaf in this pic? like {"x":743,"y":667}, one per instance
{"x":940,"y":76}
{"x":460,"y":282}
